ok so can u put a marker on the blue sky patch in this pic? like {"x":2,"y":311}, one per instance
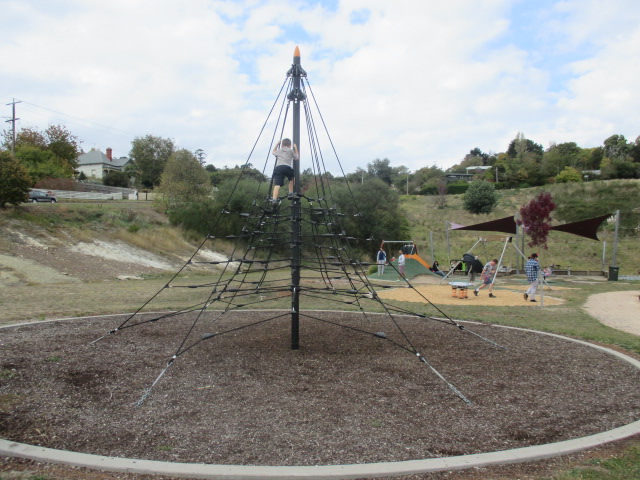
{"x":360,"y":17}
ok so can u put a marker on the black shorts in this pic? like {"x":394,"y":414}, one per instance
{"x":280,"y":172}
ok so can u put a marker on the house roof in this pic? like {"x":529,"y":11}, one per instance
{"x":96,"y":157}
{"x":479,"y":167}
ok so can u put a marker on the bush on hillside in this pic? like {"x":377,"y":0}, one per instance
{"x":14,"y":180}
{"x":206,"y":217}
{"x":371,"y":213}
{"x":457,"y":188}
{"x":480,"y":197}
{"x":568,"y":175}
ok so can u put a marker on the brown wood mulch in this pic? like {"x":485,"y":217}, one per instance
{"x":344,"y":397}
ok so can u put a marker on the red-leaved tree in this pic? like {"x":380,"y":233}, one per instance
{"x":536,"y":217}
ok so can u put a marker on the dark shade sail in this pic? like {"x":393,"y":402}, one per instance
{"x":505,"y":225}
{"x":584,"y":228}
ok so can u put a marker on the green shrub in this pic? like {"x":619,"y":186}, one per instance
{"x":480,"y":197}
{"x":457,"y":188}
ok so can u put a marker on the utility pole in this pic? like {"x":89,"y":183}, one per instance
{"x":296,"y":95}
{"x":13,"y":124}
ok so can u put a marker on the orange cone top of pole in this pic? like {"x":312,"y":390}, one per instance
{"x":296,"y":52}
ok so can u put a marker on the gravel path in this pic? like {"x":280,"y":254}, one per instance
{"x":620,"y":310}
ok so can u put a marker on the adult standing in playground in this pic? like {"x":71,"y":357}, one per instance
{"x":285,"y":155}
{"x":475,"y":267}
{"x":400,"y":265}
{"x":488,"y":273}
{"x":382,"y":259}
{"x":532,"y":270}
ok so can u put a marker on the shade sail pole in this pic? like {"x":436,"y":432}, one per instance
{"x":614,"y":257}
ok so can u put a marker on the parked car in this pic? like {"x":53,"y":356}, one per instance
{"x":37,"y":196}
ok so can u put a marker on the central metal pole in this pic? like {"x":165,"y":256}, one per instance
{"x":296,"y":96}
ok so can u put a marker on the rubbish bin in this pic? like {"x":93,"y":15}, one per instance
{"x":613,"y":274}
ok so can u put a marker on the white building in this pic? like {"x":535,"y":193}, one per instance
{"x":95,"y":164}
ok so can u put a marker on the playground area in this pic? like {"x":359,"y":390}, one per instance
{"x":506,"y":294}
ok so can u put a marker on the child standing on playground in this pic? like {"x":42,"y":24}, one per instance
{"x":400,"y":265}
{"x":488,"y":273}
{"x":285,"y":155}
{"x":532,"y":270}
{"x":382,"y":259}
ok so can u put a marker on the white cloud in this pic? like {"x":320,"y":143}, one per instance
{"x":421,"y":83}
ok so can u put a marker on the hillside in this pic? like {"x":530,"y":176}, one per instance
{"x":575,"y":202}
{"x":87,"y":242}
{"x":90,"y":242}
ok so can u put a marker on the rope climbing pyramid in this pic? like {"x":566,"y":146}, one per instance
{"x":291,"y":256}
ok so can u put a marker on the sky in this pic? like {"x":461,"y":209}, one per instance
{"x":418,"y":82}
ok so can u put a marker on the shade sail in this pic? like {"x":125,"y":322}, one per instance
{"x":505,"y":225}
{"x":584,"y":228}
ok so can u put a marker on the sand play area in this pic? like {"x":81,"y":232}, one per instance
{"x":619,"y":310}
{"x":506,"y":295}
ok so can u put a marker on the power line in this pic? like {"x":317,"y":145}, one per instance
{"x":88,"y":122}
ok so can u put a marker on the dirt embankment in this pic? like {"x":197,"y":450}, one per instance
{"x":33,"y":256}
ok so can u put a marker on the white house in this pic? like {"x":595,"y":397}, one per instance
{"x":95,"y":164}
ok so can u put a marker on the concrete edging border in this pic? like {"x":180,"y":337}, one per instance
{"x":250,"y":472}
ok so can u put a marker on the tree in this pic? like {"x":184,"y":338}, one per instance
{"x":481,"y":197}
{"x":63,"y":144}
{"x":559,"y":156}
{"x":568,"y":175}
{"x":474,"y":158}
{"x":25,"y":136}
{"x":201,"y":156}
{"x":233,"y":196}
{"x":635,"y":150}
{"x":41,"y":163}
{"x":225,"y":174}
{"x":359,"y":176}
{"x":115,"y":179}
{"x":150,"y":155}
{"x":426,"y":180}
{"x":52,"y":153}
{"x":371,"y":211}
{"x":184,"y":180}
{"x":594,"y":157}
{"x":400,"y":178}
{"x":616,"y":147}
{"x":381,"y":169}
{"x":14,"y":180}
{"x":441,"y":194}
{"x":535,"y":218}
{"x":520,"y":145}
